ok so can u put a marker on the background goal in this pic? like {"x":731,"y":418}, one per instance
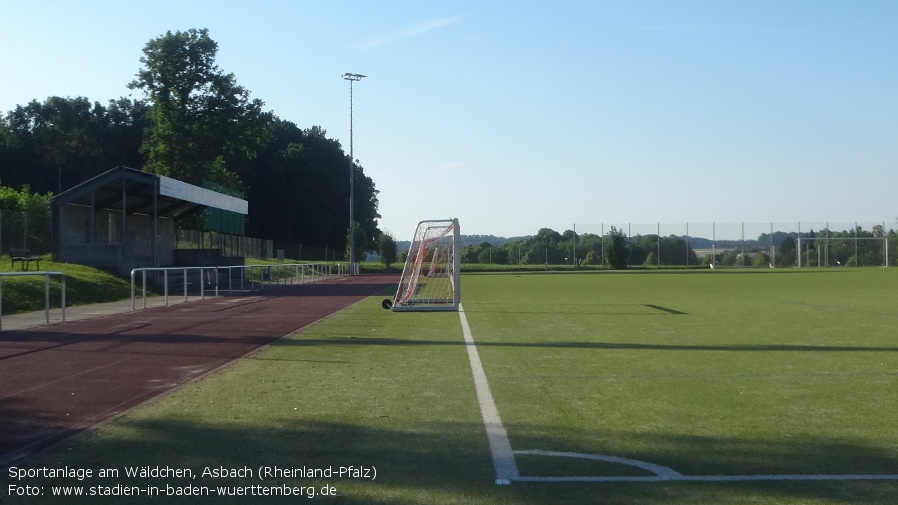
{"x":827,"y":250}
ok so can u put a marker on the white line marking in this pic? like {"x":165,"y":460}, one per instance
{"x":500,"y":447}
{"x":661,"y":472}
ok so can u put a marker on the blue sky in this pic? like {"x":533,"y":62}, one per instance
{"x":518,"y":115}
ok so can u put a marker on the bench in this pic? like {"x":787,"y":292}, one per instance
{"x":24,"y":257}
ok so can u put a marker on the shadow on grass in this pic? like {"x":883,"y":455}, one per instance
{"x":449,"y":462}
{"x":368,"y":341}
{"x":691,"y":270}
{"x":221,"y":346}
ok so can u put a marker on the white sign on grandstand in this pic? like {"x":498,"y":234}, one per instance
{"x":190,"y":193}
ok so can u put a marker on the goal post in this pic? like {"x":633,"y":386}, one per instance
{"x":431,"y":276}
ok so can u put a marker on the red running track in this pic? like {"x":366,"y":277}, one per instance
{"x":58,"y":380}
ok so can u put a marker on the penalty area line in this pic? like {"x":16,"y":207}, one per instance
{"x":665,"y":474}
{"x":500,"y":447}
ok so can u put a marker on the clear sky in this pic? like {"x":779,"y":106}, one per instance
{"x":519,"y":115}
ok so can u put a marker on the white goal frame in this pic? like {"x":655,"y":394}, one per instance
{"x":431,"y":277}
{"x":822,"y":252}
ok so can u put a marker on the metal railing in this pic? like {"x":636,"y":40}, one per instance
{"x":249,"y":278}
{"x":46,"y":276}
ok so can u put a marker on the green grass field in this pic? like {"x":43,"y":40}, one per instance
{"x":718,"y":373}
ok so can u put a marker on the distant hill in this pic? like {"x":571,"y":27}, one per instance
{"x":466,"y":240}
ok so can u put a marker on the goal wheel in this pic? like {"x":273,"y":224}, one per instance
{"x":387,"y":304}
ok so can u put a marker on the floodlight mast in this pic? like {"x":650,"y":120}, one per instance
{"x":351,"y":78}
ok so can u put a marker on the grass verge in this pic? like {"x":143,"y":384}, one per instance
{"x":84,"y":285}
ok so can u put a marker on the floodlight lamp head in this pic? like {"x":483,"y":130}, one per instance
{"x":353,"y":77}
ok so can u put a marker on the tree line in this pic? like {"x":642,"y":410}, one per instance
{"x":614,"y":250}
{"x":194,"y":123}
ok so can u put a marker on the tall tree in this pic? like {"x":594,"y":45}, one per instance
{"x":361,"y":241}
{"x":60,"y":142}
{"x":786,"y":254}
{"x":198,"y":113}
{"x":365,"y":209}
{"x":299,"y":190}
{"x":617,"y":251}
{"x":387,"y":247}
{"x":26,"y":219}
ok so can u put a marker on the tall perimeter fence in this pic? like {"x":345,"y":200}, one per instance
{"x":797,"y":244}
{"x":25,"y":230}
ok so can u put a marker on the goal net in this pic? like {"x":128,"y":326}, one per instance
{"x":430,"y":278}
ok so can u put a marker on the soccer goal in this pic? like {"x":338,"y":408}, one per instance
{"x":430,"y":278}
{"x":844,"y":250}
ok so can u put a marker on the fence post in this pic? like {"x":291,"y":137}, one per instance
{"x":47,"y":298}
{"x":46,"y":276}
